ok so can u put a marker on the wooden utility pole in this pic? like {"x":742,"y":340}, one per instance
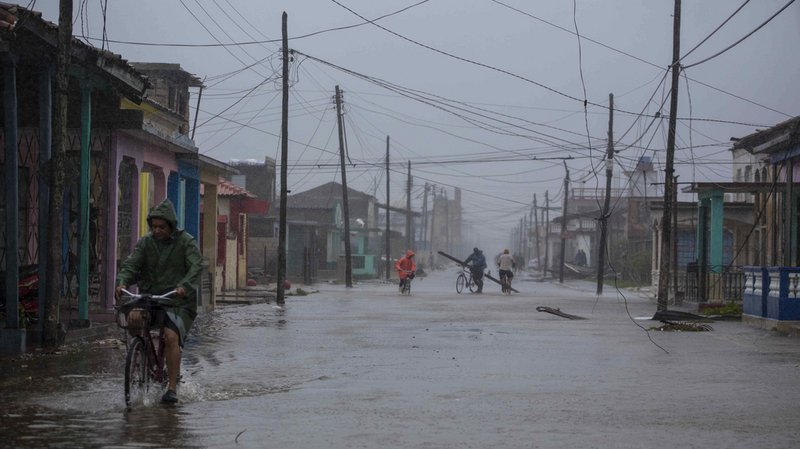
{"x":281,"y":276}
{"x":197,"y":109}
{"x":388,"y":226}
{"x":348,"y":270}
{"x":788,"y":217}
{"x":536,"y":229}
{"x":447,"y":221}
{"x":425,"y":218}
{"x":666,"y":219}
{"x":564,"y":225}
{"x":409,"y":215}
{"x":601,"y":247}
{"x":433,"y":222}
{"x":675,"y":241}
{"x":546,"y":212}
{"x":528,"y":251}
{"x":50,"y":337}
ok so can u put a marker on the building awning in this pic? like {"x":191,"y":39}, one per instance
{"x":728,"y":187}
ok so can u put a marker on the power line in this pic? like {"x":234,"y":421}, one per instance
{"x":638,"y":59}
{"x":740,"y":40}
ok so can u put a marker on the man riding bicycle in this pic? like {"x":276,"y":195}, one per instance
{"x":506,"y":264}
{"x":166,"y":259}
{"x":406,"y":267}
{"x":477,"y":267}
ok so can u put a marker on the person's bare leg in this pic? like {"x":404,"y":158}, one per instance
{"x":173,"y":357}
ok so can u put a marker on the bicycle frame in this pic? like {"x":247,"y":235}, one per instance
{"x":468,"y":282}
{"x":153,"y":344}
{"x":505,"y":284}
{"x":406,"y":284}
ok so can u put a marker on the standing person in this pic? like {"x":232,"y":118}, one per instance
{"x":406,"y":267}
{"x":506,"y":264}
{"x":477,"y":267}
{"x":166,"y":259}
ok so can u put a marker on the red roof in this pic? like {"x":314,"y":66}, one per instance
{"x":228,"y":189}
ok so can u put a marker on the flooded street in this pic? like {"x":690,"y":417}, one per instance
{"x":366,"y":367}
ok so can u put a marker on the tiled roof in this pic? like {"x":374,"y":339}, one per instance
{"x":227,"y":189}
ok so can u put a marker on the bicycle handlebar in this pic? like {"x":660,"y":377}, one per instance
{"x":142,"y":295}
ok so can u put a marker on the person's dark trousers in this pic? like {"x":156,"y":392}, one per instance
{"x":477,"y":276}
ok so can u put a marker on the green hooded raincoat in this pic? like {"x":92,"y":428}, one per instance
{"x":159,"y":267}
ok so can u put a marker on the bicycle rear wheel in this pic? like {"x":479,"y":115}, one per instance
{"x":461,"y":281}
{"x":137,"y":377}
{"x":471,"y":285}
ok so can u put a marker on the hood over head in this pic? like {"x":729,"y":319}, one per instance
{"x":409,"y":253}
{"x":165,"y":211}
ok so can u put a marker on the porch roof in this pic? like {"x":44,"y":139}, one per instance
{"x":108,"y":66}
{"x":728,"y":187}
{"x":770,"y":140}
{"x":219,"y":167}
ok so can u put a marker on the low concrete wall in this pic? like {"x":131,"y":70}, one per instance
{"x":791,"y":328}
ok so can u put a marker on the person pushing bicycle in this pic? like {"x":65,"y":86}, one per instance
{"x":476,"y":263}
{"x":406,"y":268}
{"x":166,"y":259}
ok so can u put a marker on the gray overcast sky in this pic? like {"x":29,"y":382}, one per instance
{"x":455,"y":80}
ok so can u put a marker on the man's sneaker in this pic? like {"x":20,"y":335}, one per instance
{"x":170,"y":397}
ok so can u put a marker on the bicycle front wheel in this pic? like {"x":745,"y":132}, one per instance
{"x":137,"y":378}
{"x":461,"y":281}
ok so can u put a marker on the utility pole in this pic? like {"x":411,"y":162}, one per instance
{"x":348,"y":270}
{"x":564,"y":225}
{"x":675,"y":241}
{"x":433,"y":221}
{"x":197,"y":109}
{"x":601,"y":248}
{"x":528,"y":251}
{"x":425,"y":218}
{"x":388,"y":226}
{"x":281,"y":276}
{"x":409,"y":215}
{"x":666,"y":219}
{"x":536,"y":229}
{"x":546,"y":211}
{"x":50,"y":335}
{"x":788,"y":220}
{"x":447,"y":221}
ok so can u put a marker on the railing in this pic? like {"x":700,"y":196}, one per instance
{"x":772,"y":293}
{"x":720,"y":284}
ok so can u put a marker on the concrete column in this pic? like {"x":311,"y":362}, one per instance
{"x":83,"y":199}
{"x":717,"y":232}
{"x":45,"y":153}
{"x":112,"y":224}
{"x":209,"y":249}
{"x":11,"y":180}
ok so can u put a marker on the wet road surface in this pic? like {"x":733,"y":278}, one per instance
{"x":366,"y":367}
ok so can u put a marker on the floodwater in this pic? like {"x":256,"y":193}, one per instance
{"x":368,"y":368}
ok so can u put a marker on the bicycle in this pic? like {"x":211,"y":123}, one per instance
{"x":505,"y":284}
{"x":464,"y":279}
{"x":145,"y":361}
{"x":405,"y":284}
